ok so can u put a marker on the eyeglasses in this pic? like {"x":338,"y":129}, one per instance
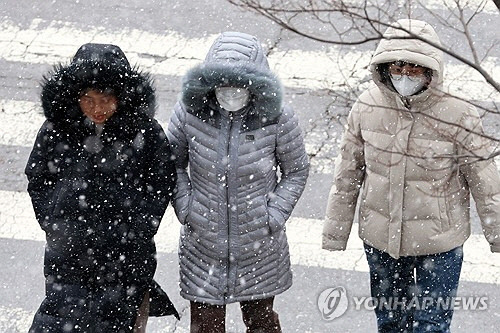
{"x":414,"y":72}
{"x":414,"y":78}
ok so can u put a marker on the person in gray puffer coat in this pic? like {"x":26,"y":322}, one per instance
{"x":233,"y":132}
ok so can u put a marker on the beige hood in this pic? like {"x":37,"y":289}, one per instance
{"x":394,"y":46}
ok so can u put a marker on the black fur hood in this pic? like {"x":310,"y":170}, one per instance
{"x":103,"y":67}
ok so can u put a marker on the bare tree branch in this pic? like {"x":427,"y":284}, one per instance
{"x":273,"y":10}
{"x":497,"y":3}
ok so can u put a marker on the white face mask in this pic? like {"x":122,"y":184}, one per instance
{"x":232,"y":99}
{"x":406,"y":85}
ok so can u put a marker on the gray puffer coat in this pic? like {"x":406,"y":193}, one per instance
{"x":232,"y":203}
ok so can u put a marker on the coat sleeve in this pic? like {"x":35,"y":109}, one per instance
{"x":294,"y":166}
{"x":41,"y":178}
{"x":180,"y":149}
{"x":349,"y":175}
{"x":160,"y":181}
{"x":480,"y":171}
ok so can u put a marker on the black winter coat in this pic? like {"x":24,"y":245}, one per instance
{"x":100,"y":200}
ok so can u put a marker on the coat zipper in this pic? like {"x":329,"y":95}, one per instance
{"x":94,"y":274}
{"x":92,"y":243}
{"x":92,"y":314}
{"x":228,"y":210}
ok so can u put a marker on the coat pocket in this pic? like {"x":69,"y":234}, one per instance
{"x":444,"y":213}
{"x":275,"y":221}
{"x":189,"y":208}
{"x":59,"y":198}
{"x":67,"y":237}
{"x":183,"y":213}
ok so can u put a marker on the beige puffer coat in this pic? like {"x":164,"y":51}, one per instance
{"x":415,"y":160}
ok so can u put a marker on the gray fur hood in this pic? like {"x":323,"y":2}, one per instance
{"x":238,"y":60}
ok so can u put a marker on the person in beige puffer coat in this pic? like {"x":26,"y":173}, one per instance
{"x":415,"y":154}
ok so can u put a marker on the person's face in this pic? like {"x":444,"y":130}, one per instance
{"x":98,"y":106}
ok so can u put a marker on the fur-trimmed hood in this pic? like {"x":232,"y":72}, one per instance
{"x":238,"y":60}
{"x":103,"y":67}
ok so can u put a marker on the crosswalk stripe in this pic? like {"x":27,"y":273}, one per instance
{"x":445,"y":5}
{"x":14,"y":319}
{"x":17,"y":221}
{"x":173,"y":54}
{"x":17,"y":320}
{"x":21,"y":120}
{"x":442,"y":7}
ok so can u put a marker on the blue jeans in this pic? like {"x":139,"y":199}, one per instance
{"x":414,"y":294}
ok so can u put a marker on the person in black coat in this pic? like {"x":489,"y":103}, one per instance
{"x":100,"y":178}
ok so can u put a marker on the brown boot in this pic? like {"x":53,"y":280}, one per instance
{"x":207,"y":318}
{"x":142,"y":316}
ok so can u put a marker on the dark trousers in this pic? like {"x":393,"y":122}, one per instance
{"x":258,"y":317}
{"x":430,"y":281}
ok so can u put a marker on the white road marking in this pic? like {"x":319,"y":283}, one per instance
{"x":173,"y":54}
{"x":13,"y":320}
{"x":489,"y":6}
{"x":21,"y":120}
{"x":17,"y":221}
{"x":17,"y":320}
